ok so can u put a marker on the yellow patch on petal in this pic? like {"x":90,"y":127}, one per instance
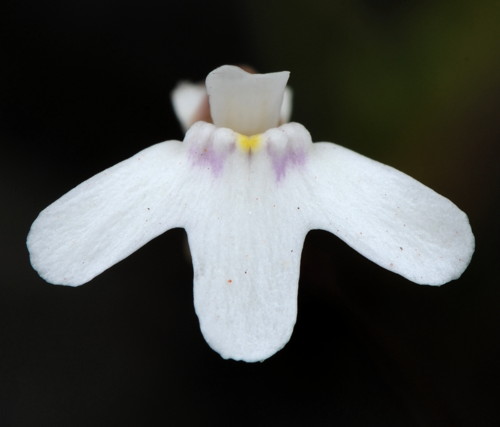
{"x":249,"y":143}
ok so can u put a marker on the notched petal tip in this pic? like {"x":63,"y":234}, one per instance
{"x":247,"y":103}
{"x":251,"y":352}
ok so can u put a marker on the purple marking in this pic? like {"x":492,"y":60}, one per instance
{"x":281,"y":161}
{"x":206,"y":156}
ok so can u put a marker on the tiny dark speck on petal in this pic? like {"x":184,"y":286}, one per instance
{"x":400,"y":248}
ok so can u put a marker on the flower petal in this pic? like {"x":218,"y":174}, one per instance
{"x":389,"y":217}
{"x":245,"y":240}
{"x":286,"y":106}
{"x":187,"y":99}
{"x":245,"y":286}
{"x":247,"y":103}
{"x":109,"y":216}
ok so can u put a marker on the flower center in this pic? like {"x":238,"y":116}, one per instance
{"x":249,"y":143}
{"x":285,"y":147}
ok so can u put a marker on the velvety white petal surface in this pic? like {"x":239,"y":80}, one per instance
{"x":246,"y":237}
{"x":388,"y":217}
{"x":187,"y":98}
{"x":247,"y":193}
{"x":246,"y":103}
{"x":109,"y":216}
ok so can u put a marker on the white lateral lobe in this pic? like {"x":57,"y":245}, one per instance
{"x":245,"y":242}
{"x":109,"y":216}
{"x":388,"y":217}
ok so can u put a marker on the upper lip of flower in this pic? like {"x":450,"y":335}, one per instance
{"x":261,"y":102}
{"x":251,"y":109}
{"x":247,"y":192}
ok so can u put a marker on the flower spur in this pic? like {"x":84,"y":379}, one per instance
{"x":247,"y":191}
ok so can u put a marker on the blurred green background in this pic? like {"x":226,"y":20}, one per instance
{"x":415,"y":84}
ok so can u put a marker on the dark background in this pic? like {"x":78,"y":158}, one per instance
{"x":85,"y":84}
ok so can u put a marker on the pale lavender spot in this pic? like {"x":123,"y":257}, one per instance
{"x":281,"y":161}
{"x":207,"y":157}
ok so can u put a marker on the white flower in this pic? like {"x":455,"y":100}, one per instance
{"x":247,"y":192}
